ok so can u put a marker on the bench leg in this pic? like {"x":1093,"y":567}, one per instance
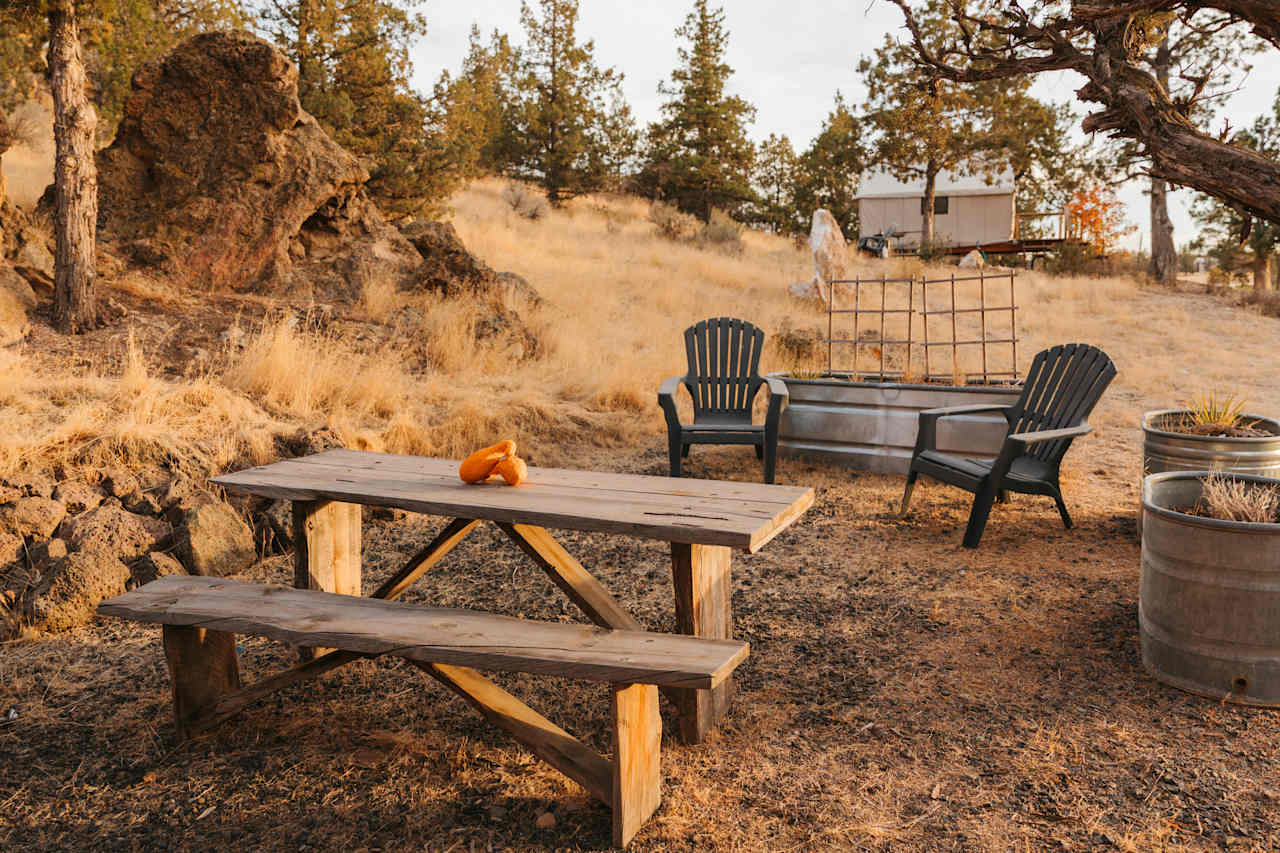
{"x":637,"y":759}
{"x":326,"y":537}
{"x":202,"y":668}
{"x":703,"y":609}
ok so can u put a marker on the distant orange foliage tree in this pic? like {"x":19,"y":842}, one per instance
{"x":1098,"y":217}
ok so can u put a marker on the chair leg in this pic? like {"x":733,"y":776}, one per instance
{"x":674,"y":451}
{"x":906,"y":493}
{"x":684,"y":450}
{"x":770,"y":459}
{"x":1002,"y":496}
{"x":1062,"y":511}
{"x":760,"y":451}
{"x":982,"y":502}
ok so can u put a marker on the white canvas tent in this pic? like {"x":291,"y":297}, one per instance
{"x":970,"y":210}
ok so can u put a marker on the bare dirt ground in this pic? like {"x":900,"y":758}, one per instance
{"x":902,"y":693}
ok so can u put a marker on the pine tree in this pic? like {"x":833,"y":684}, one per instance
{"x":561,"y":132}
{"x":699,"y":156}
{"x":828,"y":171}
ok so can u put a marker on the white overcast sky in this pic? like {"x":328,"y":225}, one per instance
{"x":789,"y":60}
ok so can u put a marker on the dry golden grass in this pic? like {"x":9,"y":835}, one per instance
{"x":1229,"y":499}
{"x":615,"y":298}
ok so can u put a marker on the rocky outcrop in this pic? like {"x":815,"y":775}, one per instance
{"x":220,"y":178}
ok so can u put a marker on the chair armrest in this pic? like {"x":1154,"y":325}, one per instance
{"x":778,"y":393}
{"x":1025,"y":438}
{"x":667,"y":399}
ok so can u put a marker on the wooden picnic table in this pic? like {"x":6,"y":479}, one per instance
{"x":703,"y":520}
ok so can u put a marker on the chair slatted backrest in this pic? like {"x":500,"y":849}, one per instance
{"x":1061,"y":389}
{"x":724,"y":362}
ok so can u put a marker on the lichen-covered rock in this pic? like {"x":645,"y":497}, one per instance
{"x":14,"y":322}
{"x":73,"y":586}
{"x":32,"y":517}
{"x":110,"y":530}
{"x":78,"y":495}
{"x":219,"y":177}
{"x":447,"y":267}
{"x":216,"y":541}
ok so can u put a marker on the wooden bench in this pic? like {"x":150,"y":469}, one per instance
{"x":202,"y":615}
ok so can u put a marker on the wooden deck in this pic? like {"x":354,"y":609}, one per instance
{"x":696,"y":512}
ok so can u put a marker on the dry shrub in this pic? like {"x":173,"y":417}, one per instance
{"x":721,"y":233}
{"x":524,"y":202}
{"x":1266,"y":301}
{"x":300,"y":374}
{"x":672,"y":223}
{"x":1227,"y":498}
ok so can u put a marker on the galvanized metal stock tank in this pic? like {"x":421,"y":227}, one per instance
{"x":1163,"y":450}
{"x":872,"y":425}
{"x":1209,"y":606}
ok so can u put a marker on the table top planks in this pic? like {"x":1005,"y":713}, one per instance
{"x":430,"y":634}
{"x":698,"y":512}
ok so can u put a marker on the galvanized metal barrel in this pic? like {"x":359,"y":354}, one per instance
{"x":1164,"y":450}
{"x":1209,"y":606}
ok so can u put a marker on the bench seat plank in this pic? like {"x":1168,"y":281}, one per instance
{"x":430,"y":634}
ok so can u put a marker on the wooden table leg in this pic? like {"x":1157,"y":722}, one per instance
{"x":703,"y":609}
{"x":326,"y":556}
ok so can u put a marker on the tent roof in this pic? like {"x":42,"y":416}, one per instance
{"x":881,"y":184}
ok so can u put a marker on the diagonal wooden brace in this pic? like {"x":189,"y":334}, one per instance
{"x":630,"y":784}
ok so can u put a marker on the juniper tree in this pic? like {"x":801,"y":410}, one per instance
{"x":569,"y":107}
{"x":699,"y":156}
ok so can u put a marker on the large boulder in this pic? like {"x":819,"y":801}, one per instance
{"x":216,"y":541}
{"x":32,"y":517}
{"x":447,"y":267}
{"x":830,"y":252}
{"x":14,"y":323}
{"x":73,"y":586}
{"x":109,"y":529}
{"x":220,"y":178}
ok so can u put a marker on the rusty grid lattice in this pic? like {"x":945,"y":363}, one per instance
{"x":908,"y":340}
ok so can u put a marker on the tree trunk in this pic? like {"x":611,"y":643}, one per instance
{"x":930,"y":194}
{"x":1262,"y":272}
{"x":1164,"y":254}
{"x":5,"y":142}
{"x":75,"y":176}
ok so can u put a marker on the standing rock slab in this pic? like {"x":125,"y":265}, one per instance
{"x":972,"y":261}
{"x":216,"y":541}
{"x":830,"y":252}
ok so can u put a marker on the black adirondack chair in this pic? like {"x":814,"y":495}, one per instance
{"x":1061,"y":389}
{"x":723,"y":379}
